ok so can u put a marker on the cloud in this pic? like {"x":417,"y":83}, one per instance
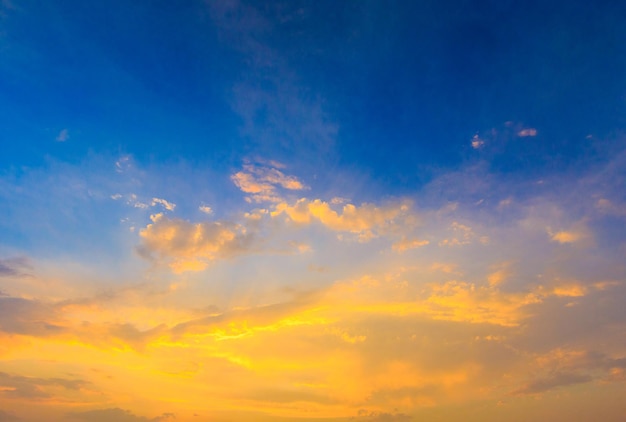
{"x":7,"y":417}
{"x":527,"y":132}
{"x":134,"y":201}
{"x":14,"y":267}
{"x":569,"y":290}
{"x":30,"y":317}
{"x":406,"y":244}
{"x":124,"y":163}
{"x":464,"y":301}
{"x":497,"y":277}
{"x":462,"y":235}
{"x":566,"y":237}
{"x":190,"y":246}
{"x":117,"y":415}
{"x":435,"y":327}
{"x":608,"y":207}
{"x":262,"y":182}
{"x":63,"y":136}
{"x":247,"y":183}
{"x":253,"y":318}
{"x":16,"y":386}
{"x":279,"y":113}
{"x":367,"y":220}
{"x":382,"y":416}
{"x":559,"y":379}
{"x":35,"y":318}
{"x":166,"y":204}
{"x":205,"y":209}
{"x":108,"y":335}
{"x":477,"y":143}
{"x":566,"y":366}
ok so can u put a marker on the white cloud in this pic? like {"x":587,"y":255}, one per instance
{"x":461,"y":235}
{"x":205,"y":209}
{"x":134,"y":201}
{"x":166,"y":204}
{"x":477,"y":142}
{"x":63,"y":135}
{"x":123,"y":163}
{"x":527,"y":132}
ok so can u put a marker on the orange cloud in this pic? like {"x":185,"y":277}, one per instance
{"x":366,"y":220}
{"x":190,"y":246}
{"x":566,"y":237}
{"x":406,"y":244}
{"x":262,"y":182}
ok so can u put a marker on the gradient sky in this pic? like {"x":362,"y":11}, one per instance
{"x":312,"y":210}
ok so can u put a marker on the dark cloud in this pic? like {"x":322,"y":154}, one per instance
{"x":383,"y":416}
{"x":281,"y":395}
{"x":39,"y":319}
{"x":30,"y":317}
{"x":134,"y":337}
{"x":7,"y":417}
{"x":14,"y":267}
{"x":559,"y":379}
{"x":117,"y":415}
{"x":404,"y":393}
{"x":18,"y":386}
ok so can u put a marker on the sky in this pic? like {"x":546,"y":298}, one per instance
{"x":312,"y":210}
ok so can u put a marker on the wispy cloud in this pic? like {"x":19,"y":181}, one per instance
{"x":277,"y":110}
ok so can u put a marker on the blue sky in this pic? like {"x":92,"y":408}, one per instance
{"x":355,"y":84}
{"x":372,"y":210}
